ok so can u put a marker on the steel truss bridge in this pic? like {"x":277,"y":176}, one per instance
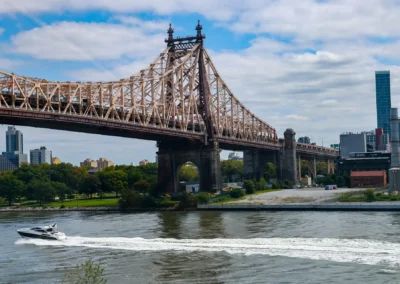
{"x":179,"y":96}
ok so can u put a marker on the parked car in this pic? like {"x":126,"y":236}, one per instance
{"x":330,"y":187}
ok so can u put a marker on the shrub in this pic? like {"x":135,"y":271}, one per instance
{"x":187,"y":200}
{"x":203,"y":197}
{"x":237,"y":193}
{"x":262,"y":184}
{"x":62,"y":206}
{"x":89,"y":272}
{"x":2,"y":200}
{"x":276,"y":185}
{"x":130,"y":199}
{"x":249,"y":186}
{"x":167,"y":203}
{"x":369,"y":195}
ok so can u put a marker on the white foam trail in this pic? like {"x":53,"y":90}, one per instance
{"x":339,"y":250}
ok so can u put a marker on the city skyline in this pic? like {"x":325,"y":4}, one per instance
{"x":322,"y":82}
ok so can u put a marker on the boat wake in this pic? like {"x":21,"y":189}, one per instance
{"x":338,"y":250}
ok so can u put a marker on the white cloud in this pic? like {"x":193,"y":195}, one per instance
{"x":120,"y":71}
{"x":308,"y":19}
{"x":86,"y":41}
{"x":151,"y":26}
{"x":311,"y":19}
{"x":1,"y":31}
{"x":296,"y":117}
{"x":220,"y":10}
{"x":8,"y":64}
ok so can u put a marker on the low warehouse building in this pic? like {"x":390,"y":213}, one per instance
{"x":368,"y":179}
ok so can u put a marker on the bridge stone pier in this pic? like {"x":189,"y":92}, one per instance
{"x":255,"y":160}
{"x":172,"y":156}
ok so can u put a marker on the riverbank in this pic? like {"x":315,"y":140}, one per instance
{"x":359,"y":206}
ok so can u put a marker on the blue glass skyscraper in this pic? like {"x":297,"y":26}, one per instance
{"x":14,"y":141}
{"x":383,"y":103}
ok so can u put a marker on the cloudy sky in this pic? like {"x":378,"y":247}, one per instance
{"x":308,"y":65}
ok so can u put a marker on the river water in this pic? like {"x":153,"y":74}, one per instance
{"x":207,"y":247}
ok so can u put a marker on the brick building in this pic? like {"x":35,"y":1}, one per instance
{"x":368,"y":179}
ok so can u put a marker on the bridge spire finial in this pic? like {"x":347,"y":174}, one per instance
{"x":198,"y":29}
{"x":170,"y":32}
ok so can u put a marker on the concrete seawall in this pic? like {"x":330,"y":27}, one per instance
{"x":303,"y":207}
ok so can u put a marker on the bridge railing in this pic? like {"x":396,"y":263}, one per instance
{"x":316,"y":148}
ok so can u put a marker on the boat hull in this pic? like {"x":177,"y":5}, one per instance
{"x":34,"y":236}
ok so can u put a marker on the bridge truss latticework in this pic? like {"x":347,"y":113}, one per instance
{"x":164,"y":95}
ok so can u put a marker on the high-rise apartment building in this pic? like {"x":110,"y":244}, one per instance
{"x":41,"y":156}
{"x":14,"y":155}
{"x":143,"y":162}
{"x":383,"y":101}
{"x":103,"y":163}
{"x":89,"y":163}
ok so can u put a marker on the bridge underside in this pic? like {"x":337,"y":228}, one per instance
{"x":92,"y":126}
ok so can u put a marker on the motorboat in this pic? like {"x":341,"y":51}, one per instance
{"x":46,"y":232}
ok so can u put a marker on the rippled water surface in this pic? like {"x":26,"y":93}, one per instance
{"x":208,"y":247}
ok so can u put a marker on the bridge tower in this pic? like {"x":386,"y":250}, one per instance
{"x":172,"y":154}
{"x":288,"y":157}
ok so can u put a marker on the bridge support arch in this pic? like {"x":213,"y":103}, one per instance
{"x":255,"y":162}
{"x":172,"y":155}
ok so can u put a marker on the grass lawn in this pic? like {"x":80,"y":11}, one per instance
{"x":95,"y":202}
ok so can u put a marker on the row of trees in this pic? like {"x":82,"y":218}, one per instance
{"x":45,"y":182}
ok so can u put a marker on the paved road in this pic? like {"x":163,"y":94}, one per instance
{"x":295,"y":196}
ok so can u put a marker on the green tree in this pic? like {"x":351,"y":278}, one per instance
{"x":232,"y":170}
{"x":133,"y":175}
{"x":322,"y":168}
{"x":141,"y":186}
{"x":61,"y":190}
{"x":304,"y":168}
{"x":270,"y":171}
{"x":40,"y":191}
{"x":68,"y":174}
{"x":10,"y":187}
{"x":27,"y":173}
{"x":86,"y":273}
{"x":188,"y":172}
{"x":149,"y":171}
{"x":89,"y":185}
{"x":113,"y":180}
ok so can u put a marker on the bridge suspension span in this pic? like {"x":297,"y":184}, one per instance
{"x":180,"y":94}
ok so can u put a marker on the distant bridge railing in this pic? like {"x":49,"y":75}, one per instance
{"x":315,"y":149}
